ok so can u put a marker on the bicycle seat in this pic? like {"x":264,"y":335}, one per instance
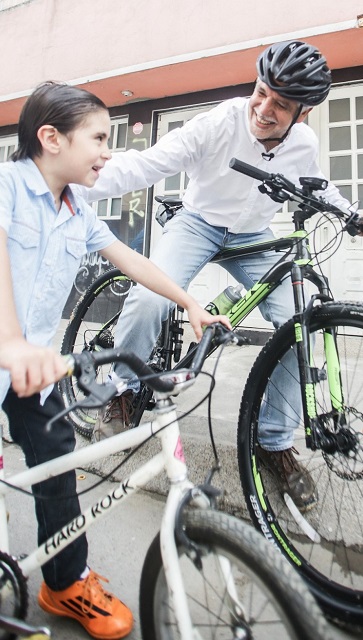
{"x":169,"y":201}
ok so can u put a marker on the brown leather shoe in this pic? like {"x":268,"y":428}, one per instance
{"x":115,"y":417}
{"x":291,"y":477}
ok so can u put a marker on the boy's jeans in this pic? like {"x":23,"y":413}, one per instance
{"x":57,"y":502}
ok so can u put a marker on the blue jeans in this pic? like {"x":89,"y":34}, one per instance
{"x":56,"y":503}
{"x":188,"y":243}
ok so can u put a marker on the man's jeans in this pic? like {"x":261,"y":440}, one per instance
{"x":187,"y":245}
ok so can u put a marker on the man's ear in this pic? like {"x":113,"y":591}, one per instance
{"x":303,"y":114}
{"x":49,"y":138}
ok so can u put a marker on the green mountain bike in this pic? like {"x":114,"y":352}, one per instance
{"x":325,"y":337}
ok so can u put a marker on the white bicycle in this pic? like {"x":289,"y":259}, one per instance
{"x":206,"y":575}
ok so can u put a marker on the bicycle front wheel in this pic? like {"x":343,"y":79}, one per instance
{"x":258,"y":595}
{"x":13,"y":594}
{"x":91,"y":328}
{"x":326,"y":542}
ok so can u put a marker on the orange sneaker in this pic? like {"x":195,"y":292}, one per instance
{"x":101,"y":613}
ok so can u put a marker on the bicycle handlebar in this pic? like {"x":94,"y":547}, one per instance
{"x":84,"y":365}
{"x":279,"y":188}
{"x":249,"y":170}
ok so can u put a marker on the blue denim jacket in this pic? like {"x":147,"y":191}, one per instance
{"x":45,"y":249}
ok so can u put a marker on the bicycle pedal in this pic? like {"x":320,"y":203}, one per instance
{"x":243,"y":337}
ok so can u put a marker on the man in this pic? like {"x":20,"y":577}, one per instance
{"x":222,"y":208}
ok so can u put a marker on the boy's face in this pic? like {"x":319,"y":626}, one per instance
{"x":270,"y":115}
{"x":85,"y":150}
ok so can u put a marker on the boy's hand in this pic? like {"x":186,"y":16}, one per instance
{"x":31,"y":368}
{"x":199,"y":318}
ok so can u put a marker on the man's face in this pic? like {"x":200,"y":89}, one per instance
{"x":270,"y":115}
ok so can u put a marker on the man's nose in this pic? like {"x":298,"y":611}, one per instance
{"x":266,"y":105}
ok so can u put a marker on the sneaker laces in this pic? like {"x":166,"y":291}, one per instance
{"x":93,"y":592}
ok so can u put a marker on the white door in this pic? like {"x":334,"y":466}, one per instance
{"x":338,"y":123}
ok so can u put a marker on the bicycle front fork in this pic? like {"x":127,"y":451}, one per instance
{"x":317,"y":417}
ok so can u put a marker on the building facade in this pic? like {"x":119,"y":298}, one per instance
{"x":156,"y":63}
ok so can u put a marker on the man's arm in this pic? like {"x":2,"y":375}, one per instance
{"x":31,"y":368}
{"x":132,"y":170}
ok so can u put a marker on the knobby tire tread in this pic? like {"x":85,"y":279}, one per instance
{"x":217,"y":529}
{"x":336,"y":601}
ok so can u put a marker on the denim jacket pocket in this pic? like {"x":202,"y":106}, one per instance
{"x":66,"y":272}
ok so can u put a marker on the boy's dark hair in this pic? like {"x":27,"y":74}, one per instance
{"x":56,"y":104}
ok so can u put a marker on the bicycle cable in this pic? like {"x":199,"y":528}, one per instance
{"x":109,"y":475}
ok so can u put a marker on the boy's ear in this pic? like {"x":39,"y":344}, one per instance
{"x":49,"y":138}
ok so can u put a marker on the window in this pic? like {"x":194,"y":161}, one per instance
{"x":345,"y":141}
{"x":111,"y":209}
{"x":167,"y":121}
{"x":7,"y":146}
{"x":338,"y":123}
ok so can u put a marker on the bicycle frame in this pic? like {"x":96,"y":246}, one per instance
{"x":300,"y":268}
{"x":295,"y":263}
{"x":170,"y":458}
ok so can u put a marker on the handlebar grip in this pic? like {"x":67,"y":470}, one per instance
{"x":249,"y":170}
{"x":202,"y":349}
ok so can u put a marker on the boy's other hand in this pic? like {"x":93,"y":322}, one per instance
{"x":31,"y":368}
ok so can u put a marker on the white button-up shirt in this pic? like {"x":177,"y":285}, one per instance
{"x":203,"y":148}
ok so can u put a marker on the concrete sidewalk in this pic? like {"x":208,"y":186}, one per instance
{"x":118,"y":544}
{"x":117,"y":547}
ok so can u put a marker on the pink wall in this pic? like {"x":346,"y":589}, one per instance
{"x":70,"y":39}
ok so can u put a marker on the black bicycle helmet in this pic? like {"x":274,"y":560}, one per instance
{"x":297,"y":71}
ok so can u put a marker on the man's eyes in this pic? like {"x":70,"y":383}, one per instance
{"x":280,"y":105}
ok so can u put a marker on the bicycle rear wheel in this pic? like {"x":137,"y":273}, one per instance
{"x":91,"y":328}
{"x":271,"y":601}
{"x":325,"y":543}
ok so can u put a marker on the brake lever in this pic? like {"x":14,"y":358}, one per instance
{"x":274,"y":192}
{"x":354,"y":225}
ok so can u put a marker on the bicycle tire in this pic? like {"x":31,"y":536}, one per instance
{"x":326,"y":545}
{"x":99,"y":307}
{"x":15,"y":604}
{"x":280,"y":596}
